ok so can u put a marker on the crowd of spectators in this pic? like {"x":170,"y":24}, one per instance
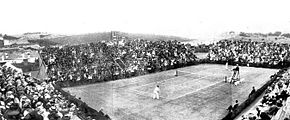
{"x":202,"y":48}
{"x":25,"y":98}
{"x":250,"y":52}
{"x":103,"y":62}
{"x":274,"y":99}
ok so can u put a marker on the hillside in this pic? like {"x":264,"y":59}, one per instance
{"x":79,"y":39}
{"x":105,"y":36}
{"x":274,"y":39}
{"x":39,"y":36}
{"x":43,"y":39}
{"x":43,"y":42}
{"x":153,"y":37}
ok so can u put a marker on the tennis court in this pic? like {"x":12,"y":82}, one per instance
{"x":197,"y":93}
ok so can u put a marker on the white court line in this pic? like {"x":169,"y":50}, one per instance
{"x":161,"y":81}
{"x":198,"y":72}
{"x":202,"y":88}
{"x":136,"y":81}
{"x":197,"y":90}
{"x":131,"y":83}
{"x":146,"y":93}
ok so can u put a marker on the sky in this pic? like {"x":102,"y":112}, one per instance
{"x":196,"y":19}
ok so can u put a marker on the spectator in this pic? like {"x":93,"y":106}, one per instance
{"x":230,"y":108}
{"x":24,"y":98}
{"x":236,"y":105}
{"x":265,"y":116}
{"x":252,"y":92}
{"x":258,"y":112}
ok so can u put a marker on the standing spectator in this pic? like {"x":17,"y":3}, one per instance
{"x":252,"y":92}
{"x":236,"y":105}
{"x":230,"y":109}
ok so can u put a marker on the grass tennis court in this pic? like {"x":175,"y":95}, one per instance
{"x":198,"y":93}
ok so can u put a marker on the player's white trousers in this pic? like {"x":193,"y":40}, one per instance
{"x":156,"y":95}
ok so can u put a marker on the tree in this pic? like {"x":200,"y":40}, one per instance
{"x":243,"y":34}
{"x":270,"y":34}
{"x":277,"y":33}
{"x":287,"y":35}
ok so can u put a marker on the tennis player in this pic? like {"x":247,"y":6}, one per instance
{"x":156,"y":92}
{"x":227,"y":64}
{"x":236,"y":73}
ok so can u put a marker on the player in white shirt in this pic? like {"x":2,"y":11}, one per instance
{"x":156,"y":92}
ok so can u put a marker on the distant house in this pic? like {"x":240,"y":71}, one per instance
{"x":1,"y":41}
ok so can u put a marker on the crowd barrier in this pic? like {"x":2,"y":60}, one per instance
{"x":280,"y":65}
{"x":71,"y":83}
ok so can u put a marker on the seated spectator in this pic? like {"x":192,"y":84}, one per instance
{"x":265,"y":116}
